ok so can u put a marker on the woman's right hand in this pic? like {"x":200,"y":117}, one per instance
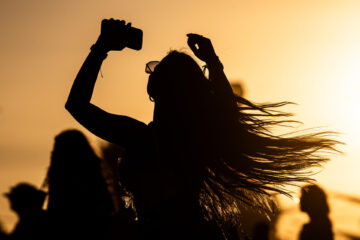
{"x":112,"y":36}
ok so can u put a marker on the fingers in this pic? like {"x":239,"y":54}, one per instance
{"x":197,"y":41}
{"x":193,"y":40}
{"x":196,"y":37}
{"x":117,"y":22}
{"x":201,"y":46}
{"x":192,"y":35}
{"x":192,"y":46}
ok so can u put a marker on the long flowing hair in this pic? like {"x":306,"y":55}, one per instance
{"x":246,"y":162}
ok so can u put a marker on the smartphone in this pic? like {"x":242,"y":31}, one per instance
{"x":132,"y":36}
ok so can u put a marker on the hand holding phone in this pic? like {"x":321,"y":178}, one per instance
{"x":116,"y":35}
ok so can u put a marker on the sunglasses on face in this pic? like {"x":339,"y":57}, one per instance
{"x":150,"y":66}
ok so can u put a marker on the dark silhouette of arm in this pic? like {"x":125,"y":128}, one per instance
{"x":117,"y":129}
{"x":203,"y":49}
{"x":222,"y":87}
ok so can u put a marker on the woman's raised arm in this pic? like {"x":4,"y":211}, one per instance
{"x":203,"y":49}
{"x":113,"y":128}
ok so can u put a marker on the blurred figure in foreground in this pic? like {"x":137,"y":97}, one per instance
{"x":3,"y":234}
{"x":27,"y":201}
{"x":313,"y":201}
{"x":79,"y":204}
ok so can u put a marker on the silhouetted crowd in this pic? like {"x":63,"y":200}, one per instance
{"x":79,"y":203}
{"x":80,"y":200}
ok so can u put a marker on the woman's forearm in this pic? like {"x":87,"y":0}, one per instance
{"x":83,"y":86}
{"x":219,"y":80}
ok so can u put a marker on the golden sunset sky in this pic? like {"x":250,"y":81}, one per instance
{"x":306,"y":52}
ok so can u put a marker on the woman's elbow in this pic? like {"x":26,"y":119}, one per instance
{"x":68,"y":105}
{"x":71,"y":106}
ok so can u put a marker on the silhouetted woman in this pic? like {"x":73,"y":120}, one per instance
{"x":206,"y":149}
{"x":313,"y":201}
{"x":79,"y":204}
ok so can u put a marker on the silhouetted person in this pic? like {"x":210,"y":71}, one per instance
{"x":204,"y":149}
{"x":79,"y":203}
{"x":27,"y":201}
{"x":3,"y":234}
{"x":313,"y":201}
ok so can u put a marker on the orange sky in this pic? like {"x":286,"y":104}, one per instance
{"x":302,"y":51}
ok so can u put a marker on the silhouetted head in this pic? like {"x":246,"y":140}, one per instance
{"x":71,"y":144}
{"x":313,"y":200}
{"x":74,"y":177}
{"x":25,"y":198}
{"x":72,"y":159}
{"x":178,"y":83}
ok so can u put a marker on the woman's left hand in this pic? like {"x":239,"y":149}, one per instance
{"x":202,"y":47}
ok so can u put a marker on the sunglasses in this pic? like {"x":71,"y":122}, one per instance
{"x":150,"y":66}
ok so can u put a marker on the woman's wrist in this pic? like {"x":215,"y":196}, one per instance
{"x":99,"y":49}
{"x":214,"y":62}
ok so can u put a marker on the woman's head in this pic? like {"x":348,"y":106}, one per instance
{"x":176,"y":78}
{"x":72,"y":161}
{"x":72,"y":156}
{"x":74,"y":173}
{"x":71,"y":143}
